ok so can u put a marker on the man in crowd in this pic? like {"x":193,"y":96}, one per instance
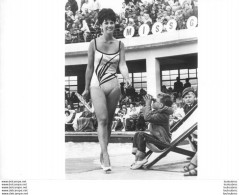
{"x":178,"y":85}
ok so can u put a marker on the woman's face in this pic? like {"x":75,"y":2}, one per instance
{"x":108,"y":26}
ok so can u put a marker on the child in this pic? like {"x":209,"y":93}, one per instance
{"x":178,"y":114}
{"x":159,"y":127}
{"x":189,"y":99}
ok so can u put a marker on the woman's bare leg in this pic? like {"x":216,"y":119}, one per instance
{"x":112,"y":101}
{"x":100,"y":106}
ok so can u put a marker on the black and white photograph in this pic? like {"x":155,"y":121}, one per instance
{"x":131,"y":89}
{"x":119,"y":97}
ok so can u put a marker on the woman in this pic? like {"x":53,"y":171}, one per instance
{"x":105,"y":55}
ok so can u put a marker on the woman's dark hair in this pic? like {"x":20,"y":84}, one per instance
{"x":106,"y":14}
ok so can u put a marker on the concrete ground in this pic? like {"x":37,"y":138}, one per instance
{"x":82,"y":162}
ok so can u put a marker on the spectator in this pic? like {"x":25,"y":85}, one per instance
{"x":131,"y":119}
{"x":179,"y":100}
{"x":117,"y":27}
{"x":67,"y":8}
{"x":74,"y":98}
{"x":181,"y":24}
{"x":189,"y":99}
{"x":86,"y":6}
{"x":141,"y":16}
{"x":96,"y":6}
{"x":122,"y":11}
{"x":195,"y":7}
{"x":170,"y":90}
{"x":141,"y":124}
{"x":134,"y":16}
{"x":159,"y":128}
{"x":67,"y":37}
{"x":85,"y":29}
{"x":70,"y":14}
{"x":69,"y":117}
{"x":142,"y":92}
{"x":176,"y":6}
{"x":125,"y":99}
{"x":131,"y":22}
{"x":164,"y":89}
{"x":172,"y":16}
{"x":178,"y":85}
{"x":67,"y":94}
{"x":174,"y":96}
{"x":73,"y":6}
{"x":187,"y":83}
{"x":74,"y":33}
{"x":178,"y":114}
{"x":159,"y":16}
{"x":187,"y":10}
{"x":68,"y":23}
{"x":85,"y":122}
{"x":123,"y":23}
{"x":119,"y":120}
{"x":70,"y":114}
{"x":164,"y":17}
{"x":153,"y":16}
{"x":93,"y":32}
{"x":191,"y":168}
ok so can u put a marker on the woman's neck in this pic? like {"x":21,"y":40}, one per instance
{"x":107,"y":37}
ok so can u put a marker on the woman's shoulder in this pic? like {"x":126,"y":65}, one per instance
{"x":120,"y":43}
{"x":92,"y":44}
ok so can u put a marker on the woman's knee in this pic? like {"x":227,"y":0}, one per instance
{"x":103,"y":121}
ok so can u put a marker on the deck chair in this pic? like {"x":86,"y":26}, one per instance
{"x":182,"y":130}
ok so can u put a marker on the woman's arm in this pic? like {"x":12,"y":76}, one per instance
{"x":122,"y":65}
{"x":89,"y":69}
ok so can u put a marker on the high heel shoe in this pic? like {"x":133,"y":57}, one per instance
{"x":106,"y":169}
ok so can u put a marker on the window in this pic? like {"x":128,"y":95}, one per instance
{"x":71,"y":83}
{"x":138,"y":79}
{"x":169,"y":77}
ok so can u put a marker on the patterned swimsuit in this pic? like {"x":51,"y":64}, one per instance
{"x":105,"y":67}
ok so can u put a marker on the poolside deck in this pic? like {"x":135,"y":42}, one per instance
{"x":87,"y":166}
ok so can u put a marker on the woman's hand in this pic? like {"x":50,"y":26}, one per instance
{"x":86,"y":94}
{"x":128,"y":83}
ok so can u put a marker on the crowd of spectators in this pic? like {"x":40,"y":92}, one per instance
{"x":81,"y":23}
{"x":128,"y":114}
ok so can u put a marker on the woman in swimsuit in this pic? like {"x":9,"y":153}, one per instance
{"x":105,"y":55}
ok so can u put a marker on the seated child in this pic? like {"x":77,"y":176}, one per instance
{"x":189,"y":98}
{"x":178,"y":114}
{"x":158,"y":127}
